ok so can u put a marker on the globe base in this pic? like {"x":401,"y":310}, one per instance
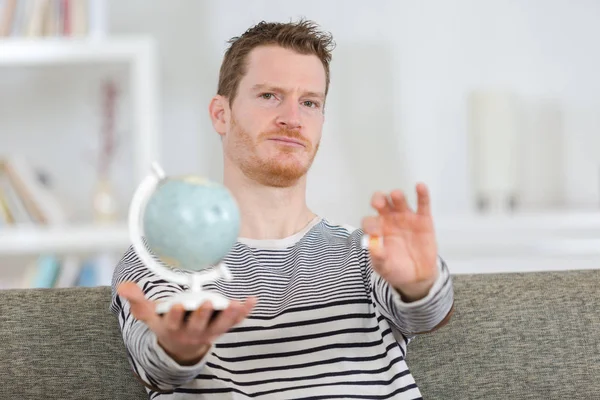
{"x":192,"y":300}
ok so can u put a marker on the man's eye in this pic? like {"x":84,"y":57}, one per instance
{"x":267,"y":96}
{"x":312,"y":104}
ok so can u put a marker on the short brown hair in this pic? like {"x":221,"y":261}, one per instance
{"x":303,"y":37}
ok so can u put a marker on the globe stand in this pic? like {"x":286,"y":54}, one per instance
{"x":191,"y":298}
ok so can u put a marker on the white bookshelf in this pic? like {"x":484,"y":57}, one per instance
{"x":71,"y":50}
{"x":139,"y":54}
{"x":72,"y":240}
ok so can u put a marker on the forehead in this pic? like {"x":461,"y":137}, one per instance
{"x":275,"y":65}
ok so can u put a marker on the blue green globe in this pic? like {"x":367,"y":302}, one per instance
{"x":190,"y":223}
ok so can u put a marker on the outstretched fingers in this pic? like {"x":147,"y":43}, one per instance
{"x":423,"y":200}
{"x":399,"y":202}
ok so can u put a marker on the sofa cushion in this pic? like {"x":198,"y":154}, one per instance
{"x":517,"y":335}
{"x":63,"y":344}
{"x":526,"y":336}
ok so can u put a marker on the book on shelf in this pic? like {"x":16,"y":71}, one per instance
{"x":27,"y":199}
{"x":52,"y":18}
{"x":52,"y":271}
{"x":25,"y":195}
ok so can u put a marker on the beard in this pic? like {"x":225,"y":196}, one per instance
{"x":282,"y":169}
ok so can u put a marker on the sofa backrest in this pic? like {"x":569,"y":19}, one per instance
{"x":529,"y":335}
{"x":525,"y":336}
{"x":63,"y":344}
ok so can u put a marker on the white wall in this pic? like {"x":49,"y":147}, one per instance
{"x":545,"y":51}
{"x":397,"y":111}
{"x":401,"y":74}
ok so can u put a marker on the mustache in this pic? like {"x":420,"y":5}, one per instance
{"x":287,"y":133}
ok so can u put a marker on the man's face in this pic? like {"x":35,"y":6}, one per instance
{"x":274,"y":128}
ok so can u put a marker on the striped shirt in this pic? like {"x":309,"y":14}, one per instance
{"x":326,"y":325}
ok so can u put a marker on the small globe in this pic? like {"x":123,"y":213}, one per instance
{"x":190,"y":223}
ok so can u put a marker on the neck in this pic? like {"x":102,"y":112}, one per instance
{"x":268,"y":212}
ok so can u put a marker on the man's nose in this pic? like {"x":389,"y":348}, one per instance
{"x":289,"y":115}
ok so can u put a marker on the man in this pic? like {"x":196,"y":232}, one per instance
{"x":314,"y":313}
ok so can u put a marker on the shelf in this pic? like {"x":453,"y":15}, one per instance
{"x":57,"y":51}
{"x":490,"y":265}
{"x":527,"y":236}
{"x":505,"y":247}
{"x":70,"y":239}
{"x":558,"y":236}
{"x":531,"y":222}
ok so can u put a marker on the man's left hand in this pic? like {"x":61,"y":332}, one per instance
{"x":407,"y":258}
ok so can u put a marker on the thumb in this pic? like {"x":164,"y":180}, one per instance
{"x":376,"y":250}
{"x":141,"y":308}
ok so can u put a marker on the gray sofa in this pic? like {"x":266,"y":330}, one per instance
{"x":513,"y":336}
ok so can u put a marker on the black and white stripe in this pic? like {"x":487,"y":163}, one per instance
{"x":326,"y":325}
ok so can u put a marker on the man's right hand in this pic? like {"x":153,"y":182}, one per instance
{"x":186,"y":341}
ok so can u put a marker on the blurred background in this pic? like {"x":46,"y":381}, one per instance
{"x":494,"y":105}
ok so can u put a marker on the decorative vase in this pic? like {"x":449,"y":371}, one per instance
{"x":494,"y":143}
{"x":104,"y":201}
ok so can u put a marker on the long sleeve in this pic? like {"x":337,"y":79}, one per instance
{"x":409,"y":318}
{"x":148,"y":360}
{"x":419,"y":316}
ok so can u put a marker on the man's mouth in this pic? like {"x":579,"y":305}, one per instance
{"x":287,"y":141}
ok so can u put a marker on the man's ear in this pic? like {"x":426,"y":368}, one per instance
{"x":219,"y":114}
